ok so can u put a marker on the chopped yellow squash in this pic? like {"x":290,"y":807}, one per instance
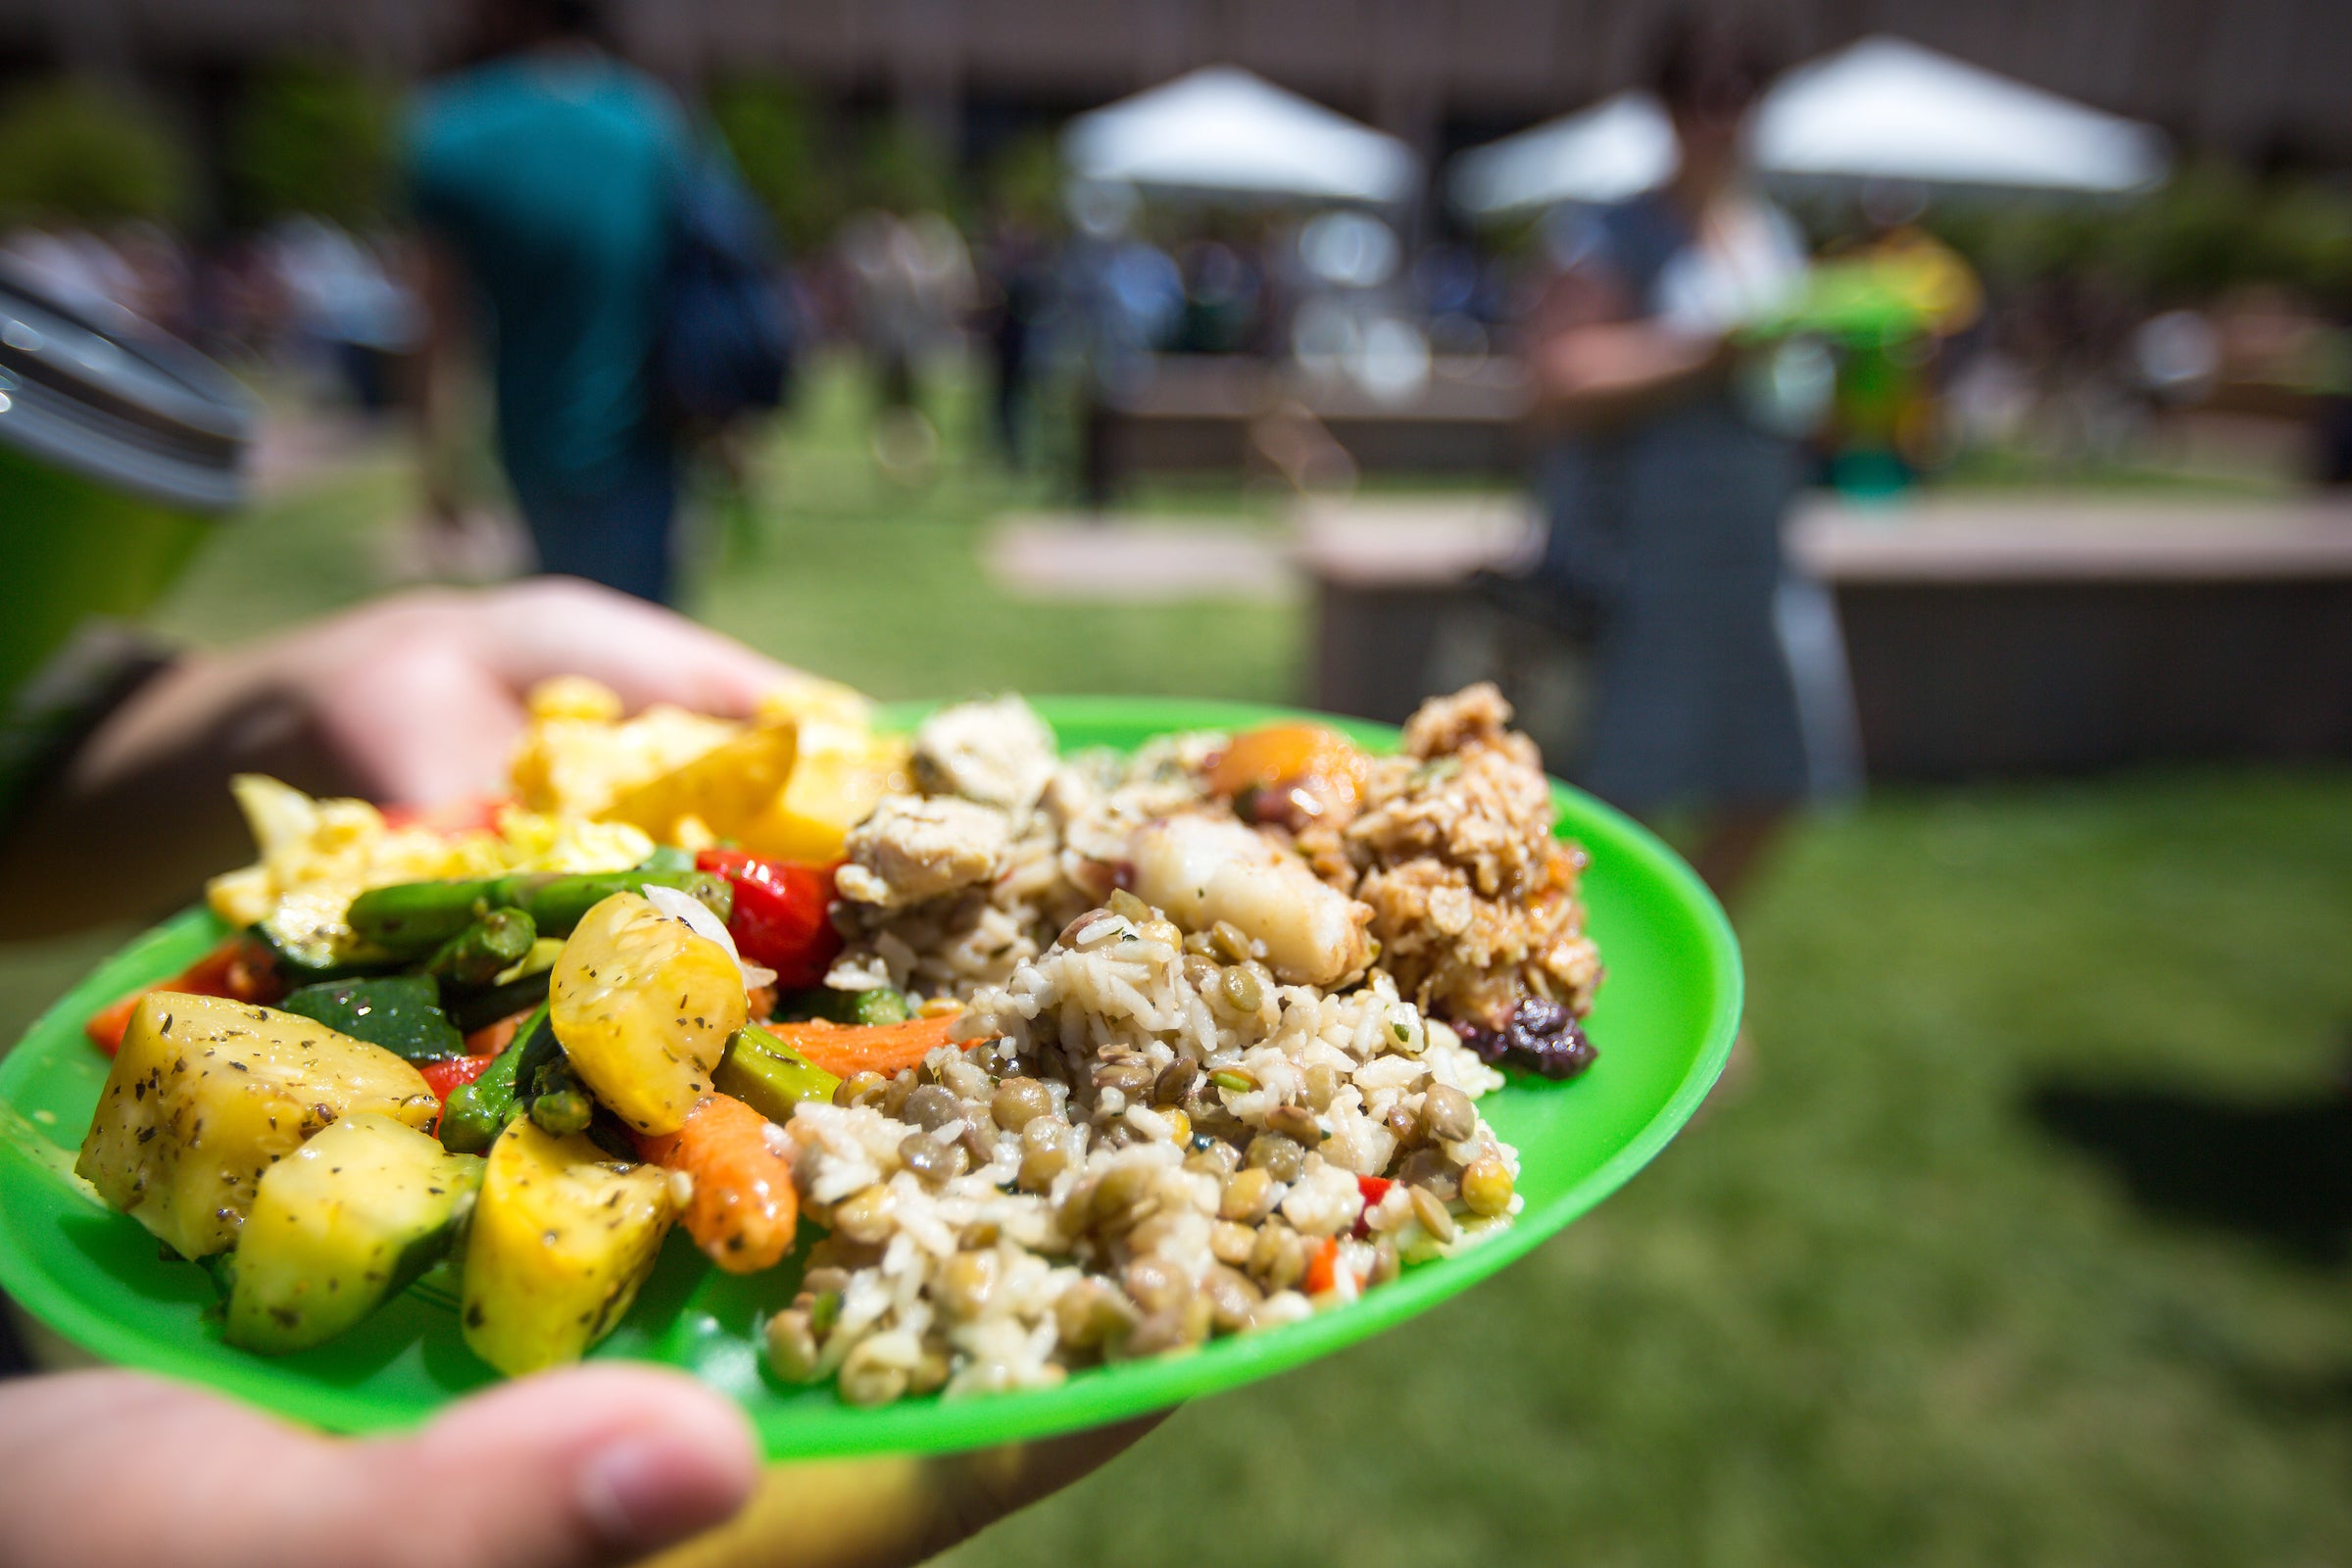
{"x":563,"y":1236}
{"x":207,"y":1094}
{"x":643,"y":1006}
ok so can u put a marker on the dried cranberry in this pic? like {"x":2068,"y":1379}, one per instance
{"x":1542,"y":1037}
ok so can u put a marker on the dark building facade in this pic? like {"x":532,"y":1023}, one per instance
{"x":2257,"y":77}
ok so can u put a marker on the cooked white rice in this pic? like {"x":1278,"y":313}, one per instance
{"x":1096,"y":1230}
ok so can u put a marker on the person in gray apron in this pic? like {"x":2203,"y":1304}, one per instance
{"x":1675,"y":460}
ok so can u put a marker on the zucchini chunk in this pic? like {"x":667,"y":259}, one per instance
{"x":339,"y":1227}
{"x":401,"y":1012}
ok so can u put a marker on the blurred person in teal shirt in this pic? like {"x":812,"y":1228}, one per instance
{"x":545,"y":180}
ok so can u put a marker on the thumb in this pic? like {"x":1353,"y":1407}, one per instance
{"x":594,"y":1465}
{"x":587,"y":1467}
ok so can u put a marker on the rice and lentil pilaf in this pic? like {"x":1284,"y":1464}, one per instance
{"x":1211,"y":1077}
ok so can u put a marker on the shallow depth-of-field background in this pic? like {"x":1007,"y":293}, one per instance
{"x":2021,"y":1236}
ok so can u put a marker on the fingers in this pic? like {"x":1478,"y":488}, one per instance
{"x":417,"y":722}
{"x":590,"y":1467}
{"x":421,"y":697}
{"x":561,"y":627}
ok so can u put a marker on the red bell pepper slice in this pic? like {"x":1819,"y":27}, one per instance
{"x":781,"y":918}
{"x":444,"y":1076}
{"x":1373,"y":1189}
{"x":239,"y":968}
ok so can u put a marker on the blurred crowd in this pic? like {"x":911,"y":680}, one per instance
{"x":2071,"y":334}
{"x":2070,"y":368}
{"x":303,"y":294}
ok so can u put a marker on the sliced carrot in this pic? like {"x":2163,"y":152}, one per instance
{"x":492,"y":1038}
{"x":744,"y":1212}
{"x":1282,"y":757}
{"x":1322,"y":1269}
{"x":238,"y":969}
{"x":844,"y":1050}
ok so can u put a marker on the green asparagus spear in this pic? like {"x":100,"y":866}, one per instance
{"x":475,"y":1113}
{"x":769,"y":1076}
{"x":476,"y":954}
{"x":480,"y":1009}
{"x":518,"y":988}
{"x":560,"y":1103}
{"x":560,"y":903}
{"x":551,"y":1092}
{"x":414,"y":919}
{"x":879,"y":1005}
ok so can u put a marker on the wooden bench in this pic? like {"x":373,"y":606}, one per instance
{"x":1204,"y":413}
{"x":1987,"y":636}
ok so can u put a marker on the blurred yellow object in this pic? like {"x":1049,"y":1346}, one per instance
{"x":844,"y":770}
{"x":594,"y":791}
{"x":1930,"y":277}
{"x":723,"y":791}
{"x":576,"y":697}
{"x":816,"y":702}
{"x":316,"y":856}
{"x":692,"y":780}
{"x":575,"y":762}
{"x":831,"y":791}
{"x":532,"y":841}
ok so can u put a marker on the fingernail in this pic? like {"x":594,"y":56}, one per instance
{"x":645,"y":1491}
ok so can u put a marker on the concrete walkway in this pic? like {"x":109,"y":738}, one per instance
{"x":1072,"y":556}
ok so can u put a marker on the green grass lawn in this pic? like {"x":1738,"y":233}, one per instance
{"x":2022,"y":1240}
{"x":843,"y":571}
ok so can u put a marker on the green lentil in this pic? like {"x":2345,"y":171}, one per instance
{"x":1241,"y":990}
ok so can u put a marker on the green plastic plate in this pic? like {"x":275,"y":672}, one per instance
{"x":1664,"y":1024}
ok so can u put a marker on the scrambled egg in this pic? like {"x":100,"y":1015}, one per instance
{"x":790,"y":784}
{"x":317,"y":856}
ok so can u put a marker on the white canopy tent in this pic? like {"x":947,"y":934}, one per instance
{"x":1889,"y":108}
{"x":1618,"y":148}
{"x":1882,"y":108}
{"x":1223,"y":130}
